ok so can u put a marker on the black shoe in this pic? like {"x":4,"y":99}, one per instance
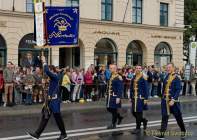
{"x":113,"y":126}
{"x":135,"y":131}
{"x":33,"y":136}
{"x":63,"y":137}
{"x":183,"y":134}
{"x":145,"y":122}
{"x":120,"y":120}
{"x":159,"y":137}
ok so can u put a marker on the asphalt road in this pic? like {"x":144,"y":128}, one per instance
{"x":91,"y":124}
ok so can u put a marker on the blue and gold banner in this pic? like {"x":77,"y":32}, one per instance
{"x":62,"y":26}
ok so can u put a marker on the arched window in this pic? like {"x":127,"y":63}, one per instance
{"x":28,"y":55}
{"x":134,"y":54}
{"x":3,"y":55}
{"x":163,"y":54}
{"x":105,"y":52}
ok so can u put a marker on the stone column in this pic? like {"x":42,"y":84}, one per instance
{"x":55,"y":56}
{"x":88,"y":55}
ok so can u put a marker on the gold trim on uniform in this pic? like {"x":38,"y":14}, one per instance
{"x":167,"y":89}
{"x":110,"y":92}
{"x":135,"y":86}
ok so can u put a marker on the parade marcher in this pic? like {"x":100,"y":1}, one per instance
{"x":139,"y":96}
{"x":115,"y":91}
{"x":52,"y":105}
{"x":170,"y":101}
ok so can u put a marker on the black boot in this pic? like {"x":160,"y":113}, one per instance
{"x":183,"y":134}
{"x":33,"y":135}
{"x":112,"y":126}
{"x":135,"y":131}
{"x":145,"y":122}
{"x":159,"y":136}
{"x":63,"y":137}
{"x":120,"y":120}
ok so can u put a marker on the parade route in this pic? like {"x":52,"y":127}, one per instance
{"x":101,"y":130}
{"x":98,"y":70}
{"x":91,"y":124}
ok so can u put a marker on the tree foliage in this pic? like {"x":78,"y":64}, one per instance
{"x":190,"y":19}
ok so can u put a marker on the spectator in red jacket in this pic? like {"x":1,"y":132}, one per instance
{"x":88,"y":79}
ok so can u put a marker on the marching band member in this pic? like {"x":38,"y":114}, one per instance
{"x":52,"y":104}
{"x":139,"y":97}
{"x":170,"y":101}
{"x":115,"y":90}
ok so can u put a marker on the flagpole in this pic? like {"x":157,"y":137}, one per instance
{"x":13,"y":5}
{"x":50,"y":49}
{"x":126,"y":10}
{"x":45,"y":34}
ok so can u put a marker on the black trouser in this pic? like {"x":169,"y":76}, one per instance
{"x":115,"y":114}
{"x":65,"y":94}
{"x":88,"y":89}
{"x":139,"y":118}
{"x":44,"y":121}
{"x":179,"y":119}
{"x":102,"y":90}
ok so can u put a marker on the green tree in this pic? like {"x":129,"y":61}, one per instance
{"x":190,"y":18}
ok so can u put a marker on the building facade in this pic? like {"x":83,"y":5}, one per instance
{"x":111,"y":31}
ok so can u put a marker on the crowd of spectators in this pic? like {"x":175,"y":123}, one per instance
{"x":28,"y":85}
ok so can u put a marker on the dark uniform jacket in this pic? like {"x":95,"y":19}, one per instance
{"x":174,"y":92}
{"x":142,"y":94}
{"x":53,"y":91}
{"x":115,"y":90}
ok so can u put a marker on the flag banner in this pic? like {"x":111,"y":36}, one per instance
{"x":39,"y":24}
{"x":62,"y":26}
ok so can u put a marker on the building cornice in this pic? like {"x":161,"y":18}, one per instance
{"x":98,"y":22}
{"x":16,"y":14}
{"x":130,"y":25}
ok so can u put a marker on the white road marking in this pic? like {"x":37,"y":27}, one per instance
{"x":97,"y":130}
{"x":110,"y":130}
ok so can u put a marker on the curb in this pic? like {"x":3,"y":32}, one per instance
{"x":36,"y":109}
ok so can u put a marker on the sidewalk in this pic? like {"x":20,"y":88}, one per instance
{"x":34,"y":109}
